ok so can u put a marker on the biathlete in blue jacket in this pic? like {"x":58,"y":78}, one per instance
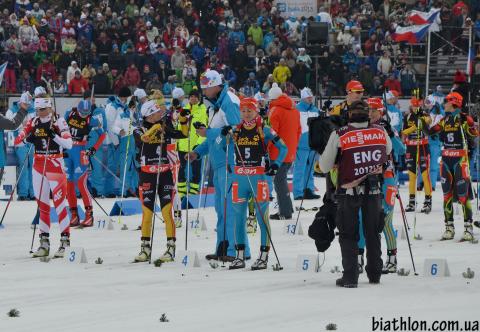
{"x":249,"y":179}
{"x":81,"y":123}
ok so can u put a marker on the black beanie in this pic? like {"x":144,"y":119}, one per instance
{"x":124,"y":92}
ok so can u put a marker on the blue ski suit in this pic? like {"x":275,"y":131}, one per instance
{"x":126,"y":121}
{"x":227,"y":112}
{"x":25,"y":183}
{"x":249,"y":179}
{"x":303,"y":165}
{"x":98,"y":172}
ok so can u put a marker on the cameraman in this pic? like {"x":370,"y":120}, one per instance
{"x":360,"y":165}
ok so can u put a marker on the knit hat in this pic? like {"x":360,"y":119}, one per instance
{"x":415,"y":102}
{"x":26,"y":98}
{"x":177,"y":93}
{"x":389,"y":95}
{"x":39,"y":90}
{"x":306,"y":93}
{"x":150,"y":107}
{"x":455,"y":99}
{"x":274,"y":92}
{"x":210,"y":78}
{"x":124,"y":92}
{"x":249,"y":103}
{"x":355,"y":86}
{"x":375,"y":104}
{"x":139,"y":93}
{"x":84,"y":107}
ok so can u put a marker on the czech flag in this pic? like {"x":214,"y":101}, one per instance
{"x":412,"y":34}
{"x":419,"y":18}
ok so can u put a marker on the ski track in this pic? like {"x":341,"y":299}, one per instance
{"x":120,"y":296}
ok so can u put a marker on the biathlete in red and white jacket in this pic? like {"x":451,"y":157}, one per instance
{"x":81,"y":123}
{"x":49,"y":135}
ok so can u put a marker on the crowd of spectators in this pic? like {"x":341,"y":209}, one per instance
{"x":163,"y":44}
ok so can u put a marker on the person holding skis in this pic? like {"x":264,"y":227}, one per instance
{"x":251,"y":168}
{"x":417,"y":157}
{"x":81,"y":123}
{"x":50,"y":135}
{"x":454,"y":130}
{"x":151,"y":140}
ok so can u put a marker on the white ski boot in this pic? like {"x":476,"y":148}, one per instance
{"x":177,"y":218}
{"x":64,"y":244}
{"x":169,"y":254}
{"x":44,"y":249}
{"x":145,"y":252}
{"x":449,"y":233}
{"x":251,"y":223}
{"x":262,"y":261}
{"x":468,"y":232}
{"x":390,"y":264}
{"x":427,"y":205}
{"x":239,"y":261}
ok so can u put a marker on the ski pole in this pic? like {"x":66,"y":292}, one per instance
{"x":405,"y":225}
{"x":156,"y":194}
{"x":202,"y":183}
{"x":129,"y":134}
{"x":279,"y":266}
{"x":402,"y":209}
{"x":188,"y":181}
{"x":114,"y":175}
{"x":224,"y":242}
{"x":305,"y":187}
{"x":16,"y":183}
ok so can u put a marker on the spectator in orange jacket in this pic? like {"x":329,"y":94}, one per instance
{"x":285,"y":121}
{"x":78,"y":85}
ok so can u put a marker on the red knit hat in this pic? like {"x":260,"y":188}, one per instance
{"x":455,"y":99}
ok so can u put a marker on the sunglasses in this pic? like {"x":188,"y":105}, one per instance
{"x":357,"y":92}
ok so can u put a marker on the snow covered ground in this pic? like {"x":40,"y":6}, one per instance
{"x":120,"y":296}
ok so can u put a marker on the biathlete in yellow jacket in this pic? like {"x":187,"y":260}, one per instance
{"x":151,"y":140}
{"x":415,"y":136}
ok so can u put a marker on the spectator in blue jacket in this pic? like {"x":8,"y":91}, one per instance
{"x":303,"y":186}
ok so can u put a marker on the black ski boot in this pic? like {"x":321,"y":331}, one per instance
{"x":309,"y":194}
{"x":427,"y":205}
{"x":411,"y":204}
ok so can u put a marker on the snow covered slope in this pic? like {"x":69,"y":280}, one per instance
{"x":120,"y":296}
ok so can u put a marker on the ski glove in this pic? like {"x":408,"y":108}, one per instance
{"x":226,"y":130}
{"x":271,"y":170}
{"x":91,"y":151}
